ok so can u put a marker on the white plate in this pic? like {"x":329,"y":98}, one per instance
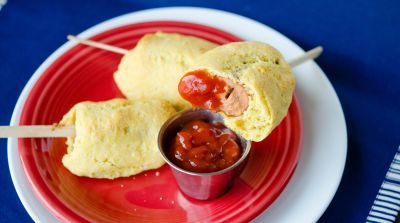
{"x":322,"y":161}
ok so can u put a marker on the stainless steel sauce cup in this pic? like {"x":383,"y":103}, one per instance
{"x":202,"y":186}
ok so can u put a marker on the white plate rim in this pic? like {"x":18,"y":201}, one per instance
{"x":316,"y":95}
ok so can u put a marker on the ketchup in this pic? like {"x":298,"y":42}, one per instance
{"x":204,"y":147}
{"x":201,"y":89}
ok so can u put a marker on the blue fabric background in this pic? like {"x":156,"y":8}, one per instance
{"x":361,"y":59}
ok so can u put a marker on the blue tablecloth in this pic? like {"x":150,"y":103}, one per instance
{"x":361,"y":58}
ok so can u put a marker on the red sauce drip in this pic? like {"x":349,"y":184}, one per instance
{"x":204,"y":147}
{"x":201,"y":89}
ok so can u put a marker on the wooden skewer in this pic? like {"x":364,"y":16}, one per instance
{"x":97,"y":45}
{"x":37,"y":131}
{"x":309,"y":55}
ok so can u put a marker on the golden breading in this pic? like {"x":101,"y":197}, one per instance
{"x":154,"y":67}
{"x":115,"y":138}
{"x":266,"y":77}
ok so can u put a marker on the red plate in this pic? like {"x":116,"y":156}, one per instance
{"x":85,"y":73}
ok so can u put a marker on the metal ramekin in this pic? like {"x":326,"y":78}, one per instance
{"x":202,"y":186}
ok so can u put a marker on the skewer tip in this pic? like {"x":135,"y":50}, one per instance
{"x":318,"y":51}
{"x":70,"y":37}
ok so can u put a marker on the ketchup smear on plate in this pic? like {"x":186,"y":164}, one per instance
{"x":203,"y":147}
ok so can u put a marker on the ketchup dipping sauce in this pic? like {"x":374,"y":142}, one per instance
{"x":204,"y":147}
{"x":202,"y":90}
